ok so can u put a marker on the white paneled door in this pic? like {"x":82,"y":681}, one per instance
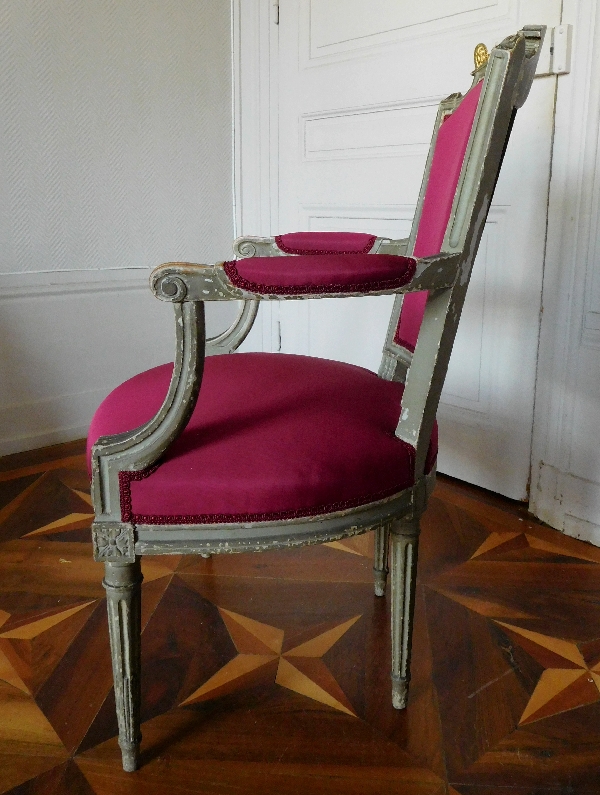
{"x":359,"y":83}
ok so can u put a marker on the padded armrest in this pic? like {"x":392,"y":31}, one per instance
{"x":312,"y":243}
{"x":312,"y":276}
{"x":315,"y":274}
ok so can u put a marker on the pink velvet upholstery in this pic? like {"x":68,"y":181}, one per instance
{"x":273,"y":436}
{"x":450,"y":148}
{"x":411,"y":317}
{"x":320,"y":273}
{"x":325,"y":243}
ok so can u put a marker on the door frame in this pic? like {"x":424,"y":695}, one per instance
{"x":255,"y":60}
{"x":255,"y":85}
{"x":560,"y":496}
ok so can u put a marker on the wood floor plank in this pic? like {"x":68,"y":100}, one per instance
{"x":46,"y":501}
{"x":215,"y":777}
{"x":18,"y":771}
{"x":65,"y":779}
{"x":313,"y":563}
{"x":562,"y":599}
{"x":43,"y":457}
{"x":462,"y":789}
{"x":49,"y":568}
{"x":32,"y":469}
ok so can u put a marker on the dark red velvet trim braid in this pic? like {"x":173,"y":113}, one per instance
{"x":307,"y":251}
{"x":314,"y":289}
{"x":125,"y":479}
{"x":127,"y":514}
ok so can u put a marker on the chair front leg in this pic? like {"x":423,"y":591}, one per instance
{"x":380,"y":563}
{"x":404,"y":544}
{"x":122,"y":582}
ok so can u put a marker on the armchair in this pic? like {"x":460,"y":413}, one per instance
{"x":260,"y":451}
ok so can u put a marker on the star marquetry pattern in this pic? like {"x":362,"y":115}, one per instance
{"x":53,"y":504}
{"x":502,"y":543}
{"x":260,"y":660}
{"x":569,"y":679}
{"x":30,"y":648}
{"x":355,"y":545}
{"x":73,"y":521}
{"x":505,"y":715}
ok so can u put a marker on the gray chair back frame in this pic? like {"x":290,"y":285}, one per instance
{"x":507,"y":78}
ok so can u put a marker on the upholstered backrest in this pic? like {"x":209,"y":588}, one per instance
{"x":461,"y":174}
{"x":448,"y":156}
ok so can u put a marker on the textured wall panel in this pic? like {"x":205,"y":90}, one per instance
{"x":115,"y":133}
{"x":115,"y":153}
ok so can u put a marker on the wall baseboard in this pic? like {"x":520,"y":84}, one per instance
{"x":568,"y":503}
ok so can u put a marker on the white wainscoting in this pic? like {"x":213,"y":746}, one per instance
{"x":361,"y":26}
{"x":399,"y":128}
{"x":67,"y":340}
{"x":371,"y":28}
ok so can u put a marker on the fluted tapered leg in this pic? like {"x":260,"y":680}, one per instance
{"x":122,"y":582}
{"x":404,"y":542}
{"x":380,"y":564}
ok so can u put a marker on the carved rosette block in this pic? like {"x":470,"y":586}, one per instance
{"x":113,"y":541}
{"x":404,"y":545}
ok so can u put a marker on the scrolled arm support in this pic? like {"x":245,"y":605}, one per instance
{"x":171,"y":288}
{"x":232,"y":338}
{"x":194,"y":283}
{"x":384,"y":245}
{"x":143,"y":446}
{"x":249,"y":246}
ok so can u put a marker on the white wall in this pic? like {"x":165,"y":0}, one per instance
{"x":115,"y":156}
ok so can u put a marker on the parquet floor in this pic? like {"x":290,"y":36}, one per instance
{"x":269,"y":673}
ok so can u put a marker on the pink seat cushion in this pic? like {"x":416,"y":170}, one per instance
{"x":450,"y":148}
{"x":320,"y":273}
{"x":325,"y":242}
{"x":273,"y":436}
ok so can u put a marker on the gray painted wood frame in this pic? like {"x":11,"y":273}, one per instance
{"x":507,"y":78}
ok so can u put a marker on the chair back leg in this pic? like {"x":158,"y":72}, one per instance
{"x":404,"y":544}
{"x":122,"y":582}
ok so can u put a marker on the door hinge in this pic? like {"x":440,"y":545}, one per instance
{"x":560,"y":50}
{"x":276,"y":12}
